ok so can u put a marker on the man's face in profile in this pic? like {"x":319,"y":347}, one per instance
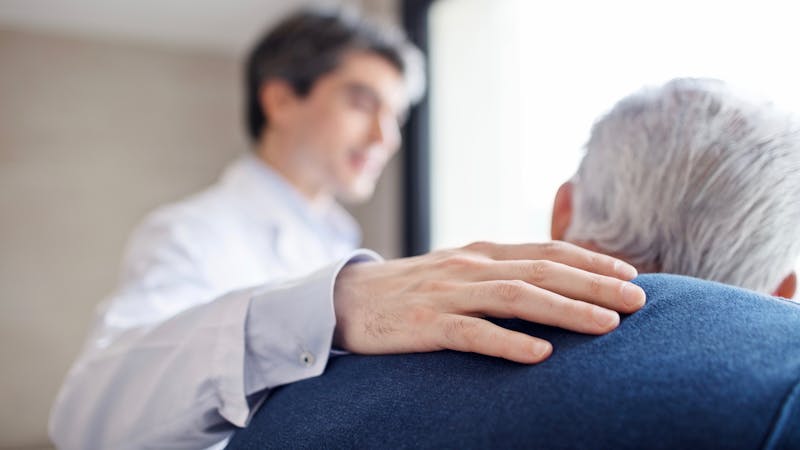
{"x":347,"y":127}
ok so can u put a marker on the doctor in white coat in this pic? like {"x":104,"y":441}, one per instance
{"x":254,"y":282}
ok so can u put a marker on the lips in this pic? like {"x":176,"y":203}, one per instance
{"x":368,"y":162}
{"x":359,"y":160}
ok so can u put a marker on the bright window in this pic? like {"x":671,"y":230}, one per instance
{"x":516,"y":85}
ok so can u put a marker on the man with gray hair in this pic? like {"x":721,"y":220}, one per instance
{"x":691,"y":178}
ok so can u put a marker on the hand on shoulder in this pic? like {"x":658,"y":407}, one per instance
{"x":438,"y":300}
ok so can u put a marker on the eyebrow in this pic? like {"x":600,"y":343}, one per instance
{"x":362,"y":88}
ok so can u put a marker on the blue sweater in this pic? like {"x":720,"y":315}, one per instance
{"x":702,"y":365}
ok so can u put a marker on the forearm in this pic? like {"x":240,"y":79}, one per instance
{"x":184,"y":382}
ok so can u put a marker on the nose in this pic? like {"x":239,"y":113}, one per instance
{"x":385,"y":130}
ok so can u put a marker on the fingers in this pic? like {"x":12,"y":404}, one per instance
{"x":431,"y":301}
{"x":570,"y":282}
{"x":514,"y":298}
{"x":558,"y":251}
{"x":560,"y":278}
{"x":581,"y":285}
{"x":470,"y":334}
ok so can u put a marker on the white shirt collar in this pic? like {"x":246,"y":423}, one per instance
{"x":270,"y":197}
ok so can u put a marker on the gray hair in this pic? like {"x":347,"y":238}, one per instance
{"x":695,"y":179}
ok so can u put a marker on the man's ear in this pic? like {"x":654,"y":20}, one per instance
{"x":787,"y":287}
{"x":277,"y":98}
{"x":562,"y":212}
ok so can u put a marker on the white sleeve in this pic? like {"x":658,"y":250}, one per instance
{"x":180,"y":381}
{"x":284,"y":342}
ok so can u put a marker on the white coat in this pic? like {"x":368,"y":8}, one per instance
{"x":221,"y":296}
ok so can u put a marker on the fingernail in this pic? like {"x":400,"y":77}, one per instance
{"x":605,"y":318}
{"x":625,"y":270}
{"x":541,"y":350}
{"x":633,"y":296}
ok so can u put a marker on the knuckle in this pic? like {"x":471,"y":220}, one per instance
{"x":540,"y":270}
{"x":583,"y":311}
{"x":565,"y":314}
{"x":454,"y":330}
{"x":459,"y":262}
{"x":596,"y":262}
{"x":510,"y":291}
{"x":478,"y":246}
{"x":468,"y":330}
{"x":595,"y":285}
{"x":551,"y":249}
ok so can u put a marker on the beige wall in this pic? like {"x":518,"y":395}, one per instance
{"x":93,"y":134}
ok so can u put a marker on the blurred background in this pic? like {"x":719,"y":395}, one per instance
{"x":110,"y":108}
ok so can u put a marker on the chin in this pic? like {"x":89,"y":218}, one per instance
{"x":358,"y":192}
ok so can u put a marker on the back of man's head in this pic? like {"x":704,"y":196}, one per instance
{"x":311,"y":43}
{"x":693,"y":178}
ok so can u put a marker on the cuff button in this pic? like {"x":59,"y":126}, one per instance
{"x":307,"y":359}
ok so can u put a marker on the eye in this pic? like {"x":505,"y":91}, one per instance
{"x":362,"y":99}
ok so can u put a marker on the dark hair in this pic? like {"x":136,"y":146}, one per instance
{"x":309,"y":44}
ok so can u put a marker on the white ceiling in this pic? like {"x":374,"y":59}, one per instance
{"x":226,"y":26}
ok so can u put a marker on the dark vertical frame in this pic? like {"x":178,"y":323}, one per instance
{"x":416,"y":160}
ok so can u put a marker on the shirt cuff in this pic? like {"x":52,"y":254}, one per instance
{"x":289,"y":327}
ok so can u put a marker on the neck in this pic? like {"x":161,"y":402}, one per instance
{"x":283,"y":158}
